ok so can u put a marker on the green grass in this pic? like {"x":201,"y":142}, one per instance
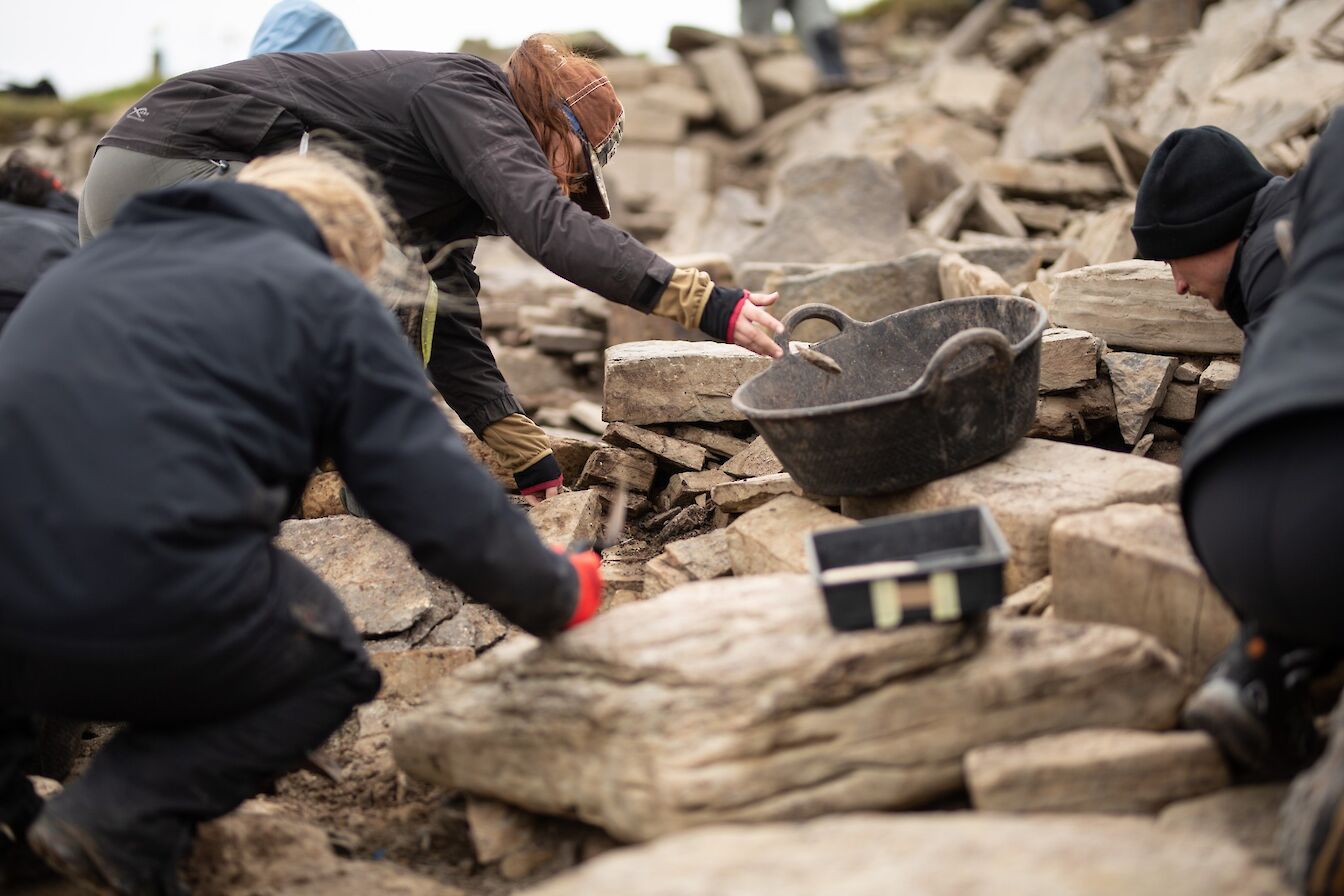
{"x":17,"y":113}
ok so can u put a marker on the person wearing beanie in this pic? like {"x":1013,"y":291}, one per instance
{"x":1207,"y":208}
{"x":1262,"y":494}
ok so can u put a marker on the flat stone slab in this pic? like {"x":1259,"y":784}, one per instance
{"x":1029,"y":488}
{"x":1133,"y":304}
{"x":676,"y":382}
{"x":1111,"y":771}
{"x":929,"y":854}
{"x":755,"y":460}
{"x":383,"y":589}
{"x":741,"y":495}
{"x":863,"y":291}
{"x":773,"y":537}
{"x":1132,"y":565}
{"x":1247,"y":815}
{"x":677,"y":453}
{"x":734,"y":700}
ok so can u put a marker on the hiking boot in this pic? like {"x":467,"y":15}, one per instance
{"x":1255,"y":704}
{"x":1311,"y":827}
{"x":95,"y":863}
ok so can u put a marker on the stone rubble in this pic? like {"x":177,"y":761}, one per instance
{"x":1109,"y":771}
{"x":998,"y":158}
{"x":735,"y":701}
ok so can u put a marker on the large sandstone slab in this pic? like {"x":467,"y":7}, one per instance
{"x":1234,"y":38}
{"x":1112,"y":771}
{"x":676,"y":382}
{"x":943,"y":854}
{"x":1069,"y":89}
{"x":1065,"y":181}
{"x":1029,"y":488}
{"x":1248,"y":816}
{"x":1133,"y":304}
{"x":727,"y":76}
{"x":863,"y":291}
{"x":734,"y":700}
{"x":806,"y":228}
{"x":773,"y":537}
{"x":1133,"y":565}
{"x":383,"y":589}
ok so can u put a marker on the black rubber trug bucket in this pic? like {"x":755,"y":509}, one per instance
{"x":922,"y":394}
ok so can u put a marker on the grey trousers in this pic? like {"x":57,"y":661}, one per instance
{"x":809,"y":16}
{"x":117,"y":174}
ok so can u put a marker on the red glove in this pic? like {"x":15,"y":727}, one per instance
{"x":588,"y":567}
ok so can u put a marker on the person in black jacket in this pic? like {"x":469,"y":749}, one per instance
{"x":37,"y":228}
{"x":1262,"y":498}
{"x":465,"y":150}
{"x":1208,"y":208}
{"x":164,"y":395}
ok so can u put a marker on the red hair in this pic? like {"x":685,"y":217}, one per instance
{"x":537,"y":90}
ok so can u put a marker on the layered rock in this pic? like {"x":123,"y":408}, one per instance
{"x":734,"y":700}
{"x":1029,"y":488}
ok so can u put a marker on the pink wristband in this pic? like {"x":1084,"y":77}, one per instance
{"x":737,"y":312}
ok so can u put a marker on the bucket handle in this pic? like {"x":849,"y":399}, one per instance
{"x":936,"y":370}
{"x":833,"y":316}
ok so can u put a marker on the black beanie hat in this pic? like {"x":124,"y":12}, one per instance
{"x":1196,"y":194}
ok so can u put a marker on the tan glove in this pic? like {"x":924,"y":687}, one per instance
{"x":685,"y":296}
{"x":525,"y":450}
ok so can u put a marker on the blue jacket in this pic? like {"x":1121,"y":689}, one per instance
{"x":300,"y":26}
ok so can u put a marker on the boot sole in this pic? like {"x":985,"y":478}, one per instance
{"x":1216,"y":709}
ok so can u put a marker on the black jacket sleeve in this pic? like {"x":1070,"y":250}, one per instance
{"x":470,"y":124}
{"x":404,"y":463}
{"x":1262,"y":276}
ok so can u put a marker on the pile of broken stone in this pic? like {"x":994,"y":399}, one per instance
{"x":710,"y":718}
{"x":710,"y":721}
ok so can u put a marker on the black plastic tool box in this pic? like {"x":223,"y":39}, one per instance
{"x":938,"y":566}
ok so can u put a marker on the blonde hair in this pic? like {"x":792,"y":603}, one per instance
{"x":335,"y":192}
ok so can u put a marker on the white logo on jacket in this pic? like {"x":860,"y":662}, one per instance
{"x":139,"y":113}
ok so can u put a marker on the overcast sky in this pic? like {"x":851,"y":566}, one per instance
{"x":90,"y":45}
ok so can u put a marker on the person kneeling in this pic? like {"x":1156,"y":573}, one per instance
{"x":165,"y":394}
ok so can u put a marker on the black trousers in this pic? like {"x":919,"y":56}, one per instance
{"x":207,"y":726}
{"x":1266,"y":518}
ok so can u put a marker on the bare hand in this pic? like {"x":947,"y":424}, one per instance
{"x":537,"y":497}
{"x":748,"y":331}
